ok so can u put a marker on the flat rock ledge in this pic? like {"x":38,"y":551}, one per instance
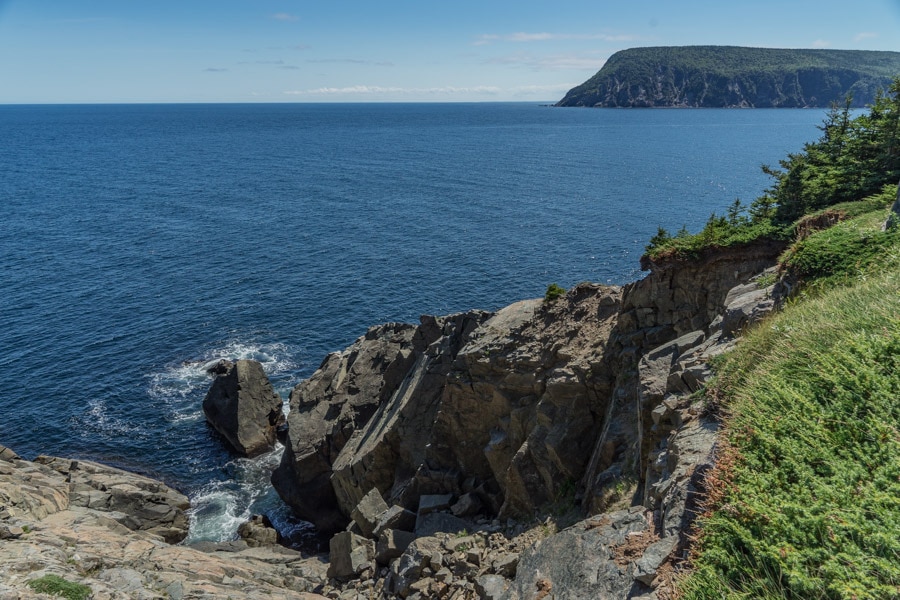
{"x":107,"y":529}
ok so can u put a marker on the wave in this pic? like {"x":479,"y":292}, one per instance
{"x":179,"y":387}
{"x":226,"y":496}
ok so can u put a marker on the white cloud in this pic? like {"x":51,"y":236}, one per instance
{"x":821,"y":44}
{"x":285,"y":17}
{"x":522,"y":36}
{"x":865,"y":35}
{"x":374,"y":90}
{"x":552,"y":62}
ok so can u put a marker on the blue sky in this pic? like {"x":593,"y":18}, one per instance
{"x":77,"y":51}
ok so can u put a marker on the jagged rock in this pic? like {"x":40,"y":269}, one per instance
{"x":491,"y":587}
{"x":139,"y":503}
{"x":505,"y":565}
{"x":468,"y":505}
{"x":745,"y":309}
{"x":349,"y":555}
{"x":595,"y":574}
{"x":391,"y":544}
{"x":367,"y":512}
{"x":258,"y":531}
{"x":395,"y":517}
{"x":340,"y":396}
{"x":242,"y":406}
{"x":421,"y":554}
{"x":646,"y":568}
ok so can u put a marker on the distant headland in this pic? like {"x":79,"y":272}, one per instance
{"x":736,"y":77}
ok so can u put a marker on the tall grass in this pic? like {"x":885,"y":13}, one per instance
{"x":813,"y":505}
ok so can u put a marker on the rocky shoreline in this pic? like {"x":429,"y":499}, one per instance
{"x":553,"y":449}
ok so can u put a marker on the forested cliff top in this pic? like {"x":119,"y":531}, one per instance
{"x":731,"y":76}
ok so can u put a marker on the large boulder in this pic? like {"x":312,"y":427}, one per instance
{"x":244,"y":408}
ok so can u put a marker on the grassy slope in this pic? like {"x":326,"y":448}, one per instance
{"x":809,"y":503}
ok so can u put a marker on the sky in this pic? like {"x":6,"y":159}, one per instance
{"x":126,"y":51}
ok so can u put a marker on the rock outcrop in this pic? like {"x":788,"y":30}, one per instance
{"x":107,"y":529}
{"x":244,"y":408}
{"x":473,"y":419}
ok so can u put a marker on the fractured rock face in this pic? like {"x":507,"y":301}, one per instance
{"x":242,"y":406}
{"x":327,"y":408}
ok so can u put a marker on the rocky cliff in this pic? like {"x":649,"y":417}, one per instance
{"x":726,"y":76}
{"x":477,"y":419}
{"x":469,"y":456}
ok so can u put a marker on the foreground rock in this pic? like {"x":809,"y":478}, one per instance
{"x":107,"y":529}
{"x":242,"y":406}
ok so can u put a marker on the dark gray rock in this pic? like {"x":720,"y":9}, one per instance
{"x":408,"y":568}
{"x":439,"y":522}
{"x":391,"y":544}
{"x":654,"y":556}
{"x":395,"y":517}
{"x":580,"y":562}
{"x":349,"y":555}
{"x":244,"y":408}
{"x":368,"y":511}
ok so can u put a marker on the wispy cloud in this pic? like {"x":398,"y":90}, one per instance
{"x":552,"y":62}
{"x":350,"y":61}
{"x":865,"y":35}
{"x":214,"y":70}
{"x":821,"y":44}
{"x":285,"y":17}
{"x":374,"y":90}
{"x":544,"y":36}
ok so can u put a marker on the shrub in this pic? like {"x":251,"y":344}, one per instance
{"x":553,"y":292}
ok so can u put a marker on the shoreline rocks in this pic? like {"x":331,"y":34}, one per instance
{"x":108,"y":529}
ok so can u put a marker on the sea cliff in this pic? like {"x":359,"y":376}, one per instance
{"x":736,"y":77}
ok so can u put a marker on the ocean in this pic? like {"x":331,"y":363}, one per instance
{"x":140,"y":242}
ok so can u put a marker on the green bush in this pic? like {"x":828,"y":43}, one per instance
{"x":57,"y":586}
{"x":553,"y":292}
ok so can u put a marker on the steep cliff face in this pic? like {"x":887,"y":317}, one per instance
{"x":585,"y":401}
{"x":724,"y":76}
{"x":511,"y":407}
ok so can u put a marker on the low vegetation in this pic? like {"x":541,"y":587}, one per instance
{"x":805,"y":500}
{"x":55,"y":585}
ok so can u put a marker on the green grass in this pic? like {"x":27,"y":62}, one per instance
{"x":812,"y":508}
{"x":57,"y":586}
{"x":845,"y":253}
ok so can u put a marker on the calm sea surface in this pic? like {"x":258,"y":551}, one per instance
{"x":137,"y":243}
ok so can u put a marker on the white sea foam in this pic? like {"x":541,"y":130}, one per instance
{"x":218,"y":508}
{"x":179,"y":387}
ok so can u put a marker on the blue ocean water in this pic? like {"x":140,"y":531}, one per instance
{"x":139,"y":242}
